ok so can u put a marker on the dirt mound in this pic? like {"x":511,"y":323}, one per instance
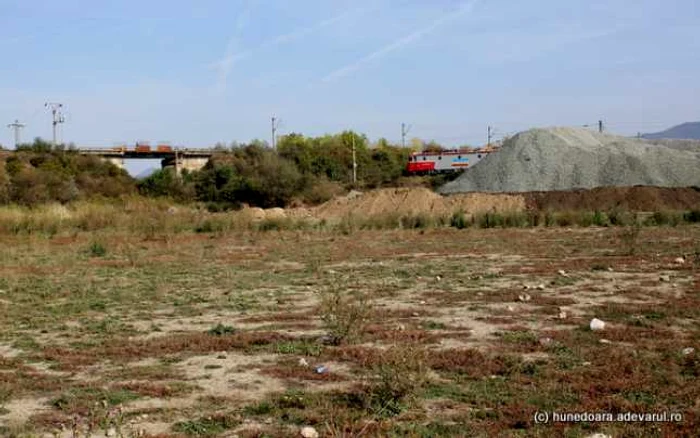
{"x":576,"y":158}
{"x":414,"y":201}
{"x":625,"y":198}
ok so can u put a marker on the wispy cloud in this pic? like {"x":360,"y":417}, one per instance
{"x":463,"y":9}
{"x":225,"y":65}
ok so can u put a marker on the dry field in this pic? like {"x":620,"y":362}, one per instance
{"x":437,"y":332}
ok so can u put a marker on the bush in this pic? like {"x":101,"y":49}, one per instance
{"x":459,"y":220}
{"x":97,"y":249}
{"x":344,"y":313}
{"x":398,"y":378}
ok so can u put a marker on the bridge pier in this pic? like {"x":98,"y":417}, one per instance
{"x":119,"y":162}
{"x":180,"y":163}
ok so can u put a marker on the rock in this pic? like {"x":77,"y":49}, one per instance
{"x":546,"y":341}
{"x":415,"y":314}
{"x":524,"y":298}
{"x":526,"y":287}
{"x":303,"y":362}
{"x":479,"y":294}
{"x":562,"y":314}
{"x":610,"y":270}
{"x":679,"y":260}
{"x":111,"y":432}
{"x":563,"y":273}
{"x":423,"y":303}
{"x":172,"y":210}
{"x":321,"y":369}
{"x":309,"y":432}
{"x":597,"y":325}
{"x":688,"y":351}
{"x":664,"y":278}
{"x":511,"y":309}
{"x":400,"y":327}
{"x":598,"y":435}
{"x":438,"y":278}
{"x":540,"y":286}
{"x":605,"y":341}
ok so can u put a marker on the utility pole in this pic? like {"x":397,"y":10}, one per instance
{"x":490,"y":136}
{"x":600,"y":126}
{"x":404,"y":131}
{"x":57,"y":117}
{"x":275,"y":125}
{"x":17,"y":127}
{"x":354,"y":161}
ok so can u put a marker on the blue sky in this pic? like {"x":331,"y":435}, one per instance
{"x":195,"y":73}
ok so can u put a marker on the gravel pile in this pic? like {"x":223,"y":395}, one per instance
{"x":573,"y":158}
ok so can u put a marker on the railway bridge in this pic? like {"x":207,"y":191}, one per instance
{"x":178,"y":158}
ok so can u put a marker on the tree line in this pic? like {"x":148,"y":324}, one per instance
{"x":304,"y":170}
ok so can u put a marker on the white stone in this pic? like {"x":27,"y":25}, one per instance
{"x":665,"y":278}
{"x":524,"y":298}
{"x":605,"y":341}
{"x":540,"y":286}
{"x":303,"y":362}
{"x":309,"y":432}
{"x":563,"y":273}
{"x":562,"y":314}
{"x":111,"y":432}
{"x":688,"y":351}
{"x":598,"y":435}
{"x":680,"y":260}
{"x":597,"y":325}
{"x":511,"y":309}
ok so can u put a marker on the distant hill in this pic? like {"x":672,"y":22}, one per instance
{"x":686,"y":131}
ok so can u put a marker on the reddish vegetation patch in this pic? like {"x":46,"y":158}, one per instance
{"x":193,"y":343}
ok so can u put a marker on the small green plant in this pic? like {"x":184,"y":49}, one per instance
{"x":344,"y":312}
{"x":97,"y":249}
{"x":459,"y":220}
{"x":221,"y":329}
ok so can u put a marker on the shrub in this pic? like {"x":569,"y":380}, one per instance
{"x":344,"y":313}
{"x":398,"y":377}
{"x":459,"y":220}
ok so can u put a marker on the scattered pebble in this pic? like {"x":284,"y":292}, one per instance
{"x":680,"y":260}
{"x":400,"y":327}
{"x":540,"y":286}
{"x":688,"y":351}
{"x":423,"y":303}
{"x":511,"y":309}
{"x":111,"y":432}
{"x":546,"y":341}
{"x":605,"y":341}
{"x":610,"y":269}
{"x":303,"y":362}
{"x":598,"y":435}
{"x":438,"y":278}
{"x":664,"y":278}
{"x":563,"y":273}
{"x":309,"y":432}
{"x":597,"y":325}
{"x":415,"y":314}
{"x":562,"y":314}
{"x":524,"y":298}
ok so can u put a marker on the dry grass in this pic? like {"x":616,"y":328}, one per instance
{"x":204,"y":331}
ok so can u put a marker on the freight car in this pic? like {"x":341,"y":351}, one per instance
{"x":445,"y":161}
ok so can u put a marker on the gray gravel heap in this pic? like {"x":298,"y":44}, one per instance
{"x":572,"y":158}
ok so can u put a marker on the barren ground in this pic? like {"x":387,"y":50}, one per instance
{"x":201,"y":334}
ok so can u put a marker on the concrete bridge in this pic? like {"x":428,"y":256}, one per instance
{"x":190,"y":159}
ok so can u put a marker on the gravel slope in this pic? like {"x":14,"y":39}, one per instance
{"x":573,"y":158}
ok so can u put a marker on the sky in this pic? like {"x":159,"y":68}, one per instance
{"x":197,"y":73}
